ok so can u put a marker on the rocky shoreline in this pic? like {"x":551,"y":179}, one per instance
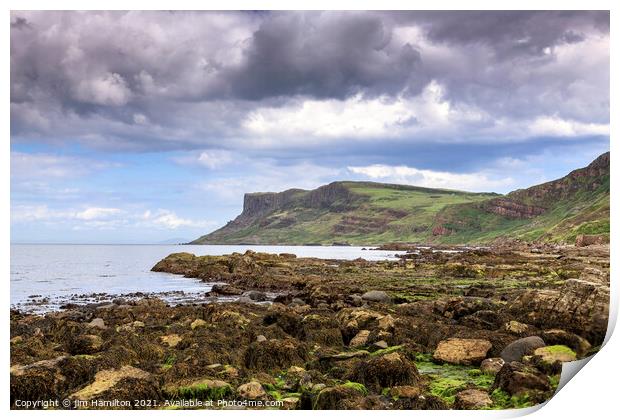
{"x":474,"y":329}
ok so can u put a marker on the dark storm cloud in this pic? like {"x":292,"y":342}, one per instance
{"x":163,"y":81}
{"x":511,"y":33}
{"x":326,"y":56}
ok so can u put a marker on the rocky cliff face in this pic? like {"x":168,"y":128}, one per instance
{"x":512,"y":209}
{"x":579,"y":196}
{"x":347,"y":210}
{"x":585,"y":179}
{"x":258,"y":204}
{"x":334,"y":196}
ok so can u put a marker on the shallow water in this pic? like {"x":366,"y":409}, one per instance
{"x":43,"y":277}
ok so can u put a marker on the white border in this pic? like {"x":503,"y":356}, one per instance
{"x":592,"y":395}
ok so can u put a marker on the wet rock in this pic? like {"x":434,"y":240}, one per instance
{"x":472,"y":399}
{"x":354,"y":320}
{"x":462,"y":351}
{"x":126,"y":383}
{"x":360,"y":339}
{"x":380,"y":345}
{"x":251,"y":391}
{"x":386,"y":371}
{"x":203,"y":389}
{"x":285,"y":318}
{"x":226,"y":290}
{"x":422,"y":402}
{"x":42,"y":380}
{"x":492,"y":365}
{"x":172,"y":340}
{"x":405,"y":391}
{"x":377,"y":296}
{"x":515,"y":351}
{"x":275,"y":354}
{"x":484,"y":319}
{"x":229,"y":318}
{"x":579,"y":306}
{"x":257,"y":296}
{"x":517,"y":379}
{"x":84,"y":344}
{"x":321,"y":330}
{"x":587,"y":240}
{"x":198,"y":323}
{"x":515,"y":327}
{"x":386,"y":323}
{"x":97,"y":323}
{"x":555,"y":354}
{"x":297,"y":302}
{"x":580,"y":345}
{"x":338,"y":397}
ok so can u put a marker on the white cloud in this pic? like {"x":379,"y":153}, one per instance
{"x":433,"y":179}
{"x":104,"y":218}
{"x":358,"y":117}
{"x":92,"y":213}
{"x":558,"y":127}
{"x":109,"y":89}
{"x":167,"y":219}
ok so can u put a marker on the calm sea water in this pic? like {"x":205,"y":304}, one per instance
{"x":43,"y":277}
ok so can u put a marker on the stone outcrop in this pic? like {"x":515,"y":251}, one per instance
{"x":462,"y":351}
{"x":587,"y":240}
{"x":580,"y":306}
{"x":512,"y":209}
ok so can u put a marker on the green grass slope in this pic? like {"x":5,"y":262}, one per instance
{"x":367,"y":213}
{"x":575,"y":204}
{"x":356,"y":213}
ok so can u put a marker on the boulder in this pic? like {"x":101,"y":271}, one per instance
{"x":587,"y":240}
{"x":515,"y":351}
{"x":405,"y":391}
{"x":275,"y":354}
{"x":515,"y":327}
{"x":42,"y":380}
{"x":251,"y":391}
{"x":360,"y":339}
{"x":322,"y":330}
{"x":171,"y":340}
{"x":472,"y":399}
{"x":198,"y":323}
{"x":202,"y":389}
{"x":377,"y":296}
{"x":84,"y":344}
{"x":462,"y":351}
{"x":257,"y":296}
{"x":492,"y":366}
{"x":380,"y":345}
{"x":127,"y":383}
{"x":97,"y":323}
{"x":580,"y":345}
{"x":338,"y":397}
{"x":386,"y":371}
{"x":555,"y":354}
{"x":518,"y":379}
{"x":579,"y":306}
{"x":226,"y":290}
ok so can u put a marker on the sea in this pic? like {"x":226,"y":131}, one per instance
{"x":47,"y":277}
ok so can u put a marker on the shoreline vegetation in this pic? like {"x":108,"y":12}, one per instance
{"x":468,"y":329}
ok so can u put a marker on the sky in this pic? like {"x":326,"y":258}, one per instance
{"x":141,"y":127}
